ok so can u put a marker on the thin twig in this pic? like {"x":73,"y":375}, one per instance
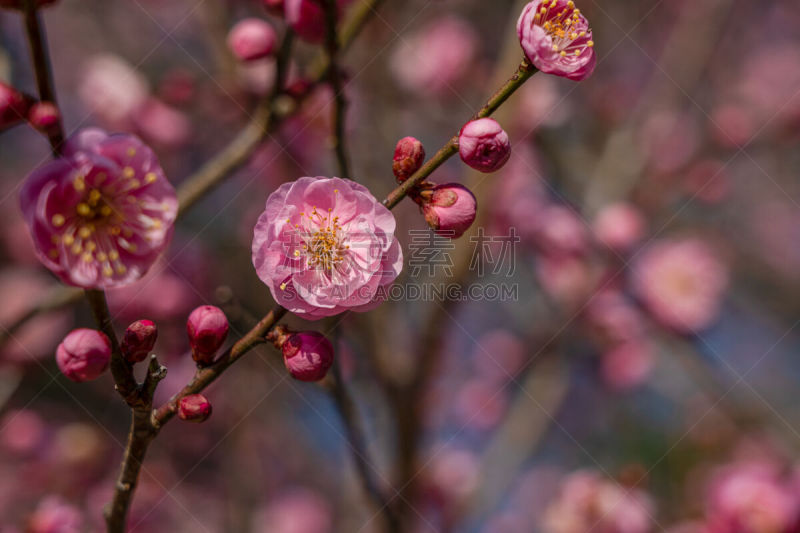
{"x":41,"y":66}
{"x":335,"y":79}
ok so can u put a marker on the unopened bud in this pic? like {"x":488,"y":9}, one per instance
{"x":274,"y":6}
{"x":84,"y":354}
{"x":252,"y":39}
{"x":194,"y":408}
{"x":449,"y":209}
{"x":44,"y":116}
{"x":308,"y":355}
{"x":14,"y":106}
{"x":409,"y":155}
{"x":139,"y":339}
{"x":207,"y":327}
{"x":484,"y":145}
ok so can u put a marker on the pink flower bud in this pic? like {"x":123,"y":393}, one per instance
{"x":307,"y":355}
{"x":484,"y":145}
{"x":409,"y":155}
{"x":451,"y":210}
{"x":207,"y":327}
{"x":140,"y":337}
{"x":44,"y":116}
{"x":194,"y":408}
{"x":251,"y":39}
{"x":13,"y":105}
{"x":307,"y":18}
{"x":84,"y":354}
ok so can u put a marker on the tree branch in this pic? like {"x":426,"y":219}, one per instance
{"x":335,"y":79}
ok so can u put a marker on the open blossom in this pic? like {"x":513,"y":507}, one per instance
{"x":324,"y":246}
{"x":557,"y":39}
{"x":681,"y":282}
{"x":484,"y":145}
{"x":100,"y":215}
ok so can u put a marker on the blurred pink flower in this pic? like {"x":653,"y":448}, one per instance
{"x":499,"y":355}
{"x":752,"y":498}
{"x":102,"y":214}
{"x":162,"y":124}
{"x":159,"y":295}
{"x":627,"y":365}
{"x":681,"y":282}
{"x":708,"y":181}
{"x":324,"y":246}
{"x":561,"y":231}
{"x":669,"y":139}
{"x":54,"y":515}
{"x":22,"y":431}
{"x":614,"y":318}
{"x":13,"y":106}
{"x":588,"y":502}
{"x":295,"y":511}
{"x":557,"y":39}
{"x":436,"y":57}
{"x":480,"y":404}
{"x":453,"y":475}
{"x":568,"y":280}
{"x":307,"y":18}
{"x":619,"y":226}
{"x":36,"y":339}
{"x":251,"y":38}
{"x":111,"y":88}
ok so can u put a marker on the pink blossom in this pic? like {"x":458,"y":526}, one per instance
{"x":627,"y":365}
{"x":112,"y":88}
{"x":207,"y":327}
{"x":308,"y":355}
{"x":614,"y":317}
{"x":324,"y":246}
{"x":567,"y":279}
{"x":669,"y":139}
{"x":194,"y":408}
{"x":162,"y":124}
{"x":295,"y":511}
{"x":681,"y":282}
{"x":84,"y":354}
{"x":480,"y":404}
{"x":436,"y":57}
{"x":556,"y":38}
{"x":53,"y":515}
{"x":22,"y":431}
{"x":100,"y":215}
{"x":560,"y":231}
{"x":251,"y":39}
{"x":619,"y":226}
{"x":588,"y":502}
{"x":450,"y":210}
{"x":751,"y":498}
{"x":453,"y":475}
{"x":409,"y":154}
{"x":484,"y":145}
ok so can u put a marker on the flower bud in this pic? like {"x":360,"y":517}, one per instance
{"x":307,"y":355}
{"x":13,"y":105}
{"x":20,"y":4}
{"x":450,"y":210}
{"x":619,"y":226}
{"x":207,"y":327}
{"x":194,"y":408}
{"x":139,"y":339}
{"x":44,"y":116}
{"x":409,"y":155}
{"x":484,"y":145}
{"x":84,"y":354}
{"x":307,"y":18}
{"x":251,"y":39}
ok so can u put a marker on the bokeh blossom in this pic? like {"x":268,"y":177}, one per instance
{"x":557,"y":39}
{"x":100,"y":215}
{"x":681,"y":282}
{"x":324,"y":246}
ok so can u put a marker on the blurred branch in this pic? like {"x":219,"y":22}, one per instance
{"x":335,"y":79}
{"x":41,"y":66}
{"x":355,"y":436}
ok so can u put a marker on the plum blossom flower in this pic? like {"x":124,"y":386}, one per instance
{"x":557,"y":39}
{"x":324,"y":246}
{"x":681,"y":282}
{"x":589,"y":502}
{"x":100,"y":215}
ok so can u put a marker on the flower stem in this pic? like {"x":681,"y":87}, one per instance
{"x":335,"y":79}
{"x":41,"y":66}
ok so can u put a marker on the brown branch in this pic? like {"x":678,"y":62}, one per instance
{"x":41,"y":66}
{"x":523,"y":73}
{"x":335,"y":79}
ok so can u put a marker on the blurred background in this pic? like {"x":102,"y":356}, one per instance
{"x":642,"y":376}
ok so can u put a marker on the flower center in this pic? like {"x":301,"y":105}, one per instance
{"x":323,"y":242}
{"x":563,"y":27}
